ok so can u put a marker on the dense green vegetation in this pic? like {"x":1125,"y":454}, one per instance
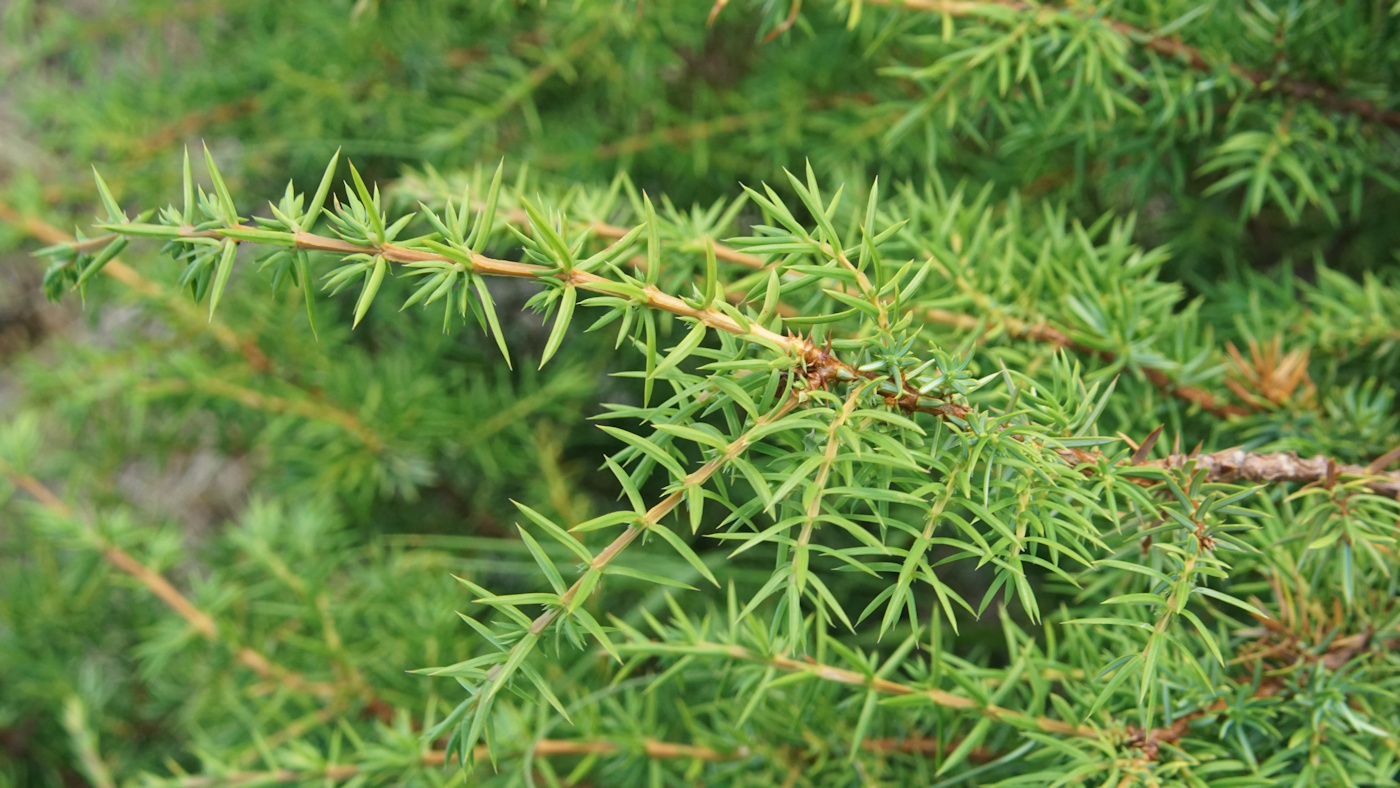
{"x":946,"y":392}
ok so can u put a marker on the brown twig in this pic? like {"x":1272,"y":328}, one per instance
{"x":793,"y":10}
{"x":1151,"y":740}
{"x":1299,"y":633}
{"x":814,"y":357}
{"x":1233,"y":465}
{"x":1040,"y":332}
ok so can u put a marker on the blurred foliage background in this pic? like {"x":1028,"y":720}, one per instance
{"x":312,"y":494}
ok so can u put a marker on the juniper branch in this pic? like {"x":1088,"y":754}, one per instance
{"x":1008,"y":488}
{"x":831,"y":673}
{"x":270,"y":403}
{"x":128,"y":276}
{"x":820,"y":366}
{"x":1173,"y":48}
{"x":816,"y":359}
{"x":163,"y":590}
{"x":549,"y":748}
{"x":1014,"y":327}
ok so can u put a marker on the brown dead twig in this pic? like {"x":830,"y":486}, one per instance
{"x":1238,"y":465}
{"x":1233,"y":465}
{"x":1303,"y":632}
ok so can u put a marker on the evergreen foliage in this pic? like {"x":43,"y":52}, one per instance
{"x":780,"y":393}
